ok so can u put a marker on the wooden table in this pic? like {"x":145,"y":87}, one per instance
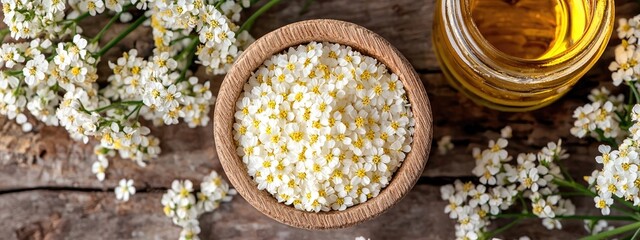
{"x":47,"y":189}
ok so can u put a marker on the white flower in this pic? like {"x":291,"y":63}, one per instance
{"x":496,"y":152}
{"x":190,"y":231}
{"x":603,"y":204}
{"x":625,"y":66}
{"x":125,"y":189}
{"x":35,"y":69}
{"x":99,"y":168}
{"x":506,"y":132}
{"x":635,"y":114}
{"x":627,"y":27}
{"x":92,"y":6}
{"x":444,"y":145}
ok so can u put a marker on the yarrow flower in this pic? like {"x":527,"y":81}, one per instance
{"x":323,"y":127}
{"x":599,"y":119}
{"x":445,"y":145}
{"x":184,"y":207}
{"x":502,"y":183}
{"x":125,"y":189}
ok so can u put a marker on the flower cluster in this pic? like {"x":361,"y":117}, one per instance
{"x":625,"y":68}
{"x":52,"y":76}
{"x":217,"y":44}
{"x":599,"y":119}
{"x":619,"y":174}
{"x":502,"y":183}
{"x":616,"y":123}
{"x":184,"y":207}
{"x":602,"y":118}
{"x":125,"y":189}
{"x":30,"y":19}
{"x":323,"y":127}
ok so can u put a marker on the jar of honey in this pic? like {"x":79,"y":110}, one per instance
{"x":519,"y":55}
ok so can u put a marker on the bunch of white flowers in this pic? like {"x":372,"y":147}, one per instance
{"x":217,"y":45}
{"x":502,"y":185}
{"x":323,"y":127}
{"x":51,"y":75}
{"x":32,"y":19}
{"x":600,"y":118}
{"x":603,"y":117}
{"x":617,"y":124}
{"x":618,"y":177}
{"x":625,"y":68}
{"x":184,"y":208}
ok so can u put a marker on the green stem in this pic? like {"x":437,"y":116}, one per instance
{"x":76,"y":20}
{"x":564,"y":171}
{"x":636,"y":95}
{"x":179,"y":39}
{"x":188,"y":49}
{"x":116,"y":105}
{"x":219,"y":3}
{"x":106,"y":27}
{"x":82,"y":16}
{"x":524,"y":204}
{"x":3,"y":33}
{"x":573,"y":185}
{"x":588,"y":192}
{"x":14,"y":72}
{"x":251,"y":20}
{"x":122,"y":35}
{"x":574,"y":194}
{"x":584,"y":217}
{"x":135,"y":110}
{"x":490,"y":235}
{"x":191,"y":52}
{"x":610,"y":233}
{"x":636,"y":235}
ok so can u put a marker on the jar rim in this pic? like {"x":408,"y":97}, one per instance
{"x":511,"y":72}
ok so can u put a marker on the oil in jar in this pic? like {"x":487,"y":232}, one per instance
{"x":531,"y":29}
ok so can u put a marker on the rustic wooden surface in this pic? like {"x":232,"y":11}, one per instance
{"x":47,"y":190}
{"x":360,"y":39}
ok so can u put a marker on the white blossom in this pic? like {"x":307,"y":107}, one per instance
{"x":315,"y":137}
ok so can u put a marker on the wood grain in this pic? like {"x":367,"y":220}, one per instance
{"x":45,"y":173}
{"x":97,"y":215}
{"x":369,"y":44}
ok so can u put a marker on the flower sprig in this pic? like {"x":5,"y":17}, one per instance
{"x":530,"y":182}
{"x":184,"y":207}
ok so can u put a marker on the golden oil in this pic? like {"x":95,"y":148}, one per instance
{"x":518,"y":55}
{"x":530,"y":28}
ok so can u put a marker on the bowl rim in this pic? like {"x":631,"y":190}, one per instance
{"x":360,"y":39}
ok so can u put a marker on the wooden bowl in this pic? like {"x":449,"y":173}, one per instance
{"x":360,"y":39}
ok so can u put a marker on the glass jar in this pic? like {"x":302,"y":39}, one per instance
{"x":505,"y":69}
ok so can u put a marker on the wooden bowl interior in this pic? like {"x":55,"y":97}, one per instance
{"x":360,"y":39}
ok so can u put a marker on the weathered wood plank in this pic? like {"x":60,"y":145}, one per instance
{"x":405,"y":23}
{"x":97,"y":215}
